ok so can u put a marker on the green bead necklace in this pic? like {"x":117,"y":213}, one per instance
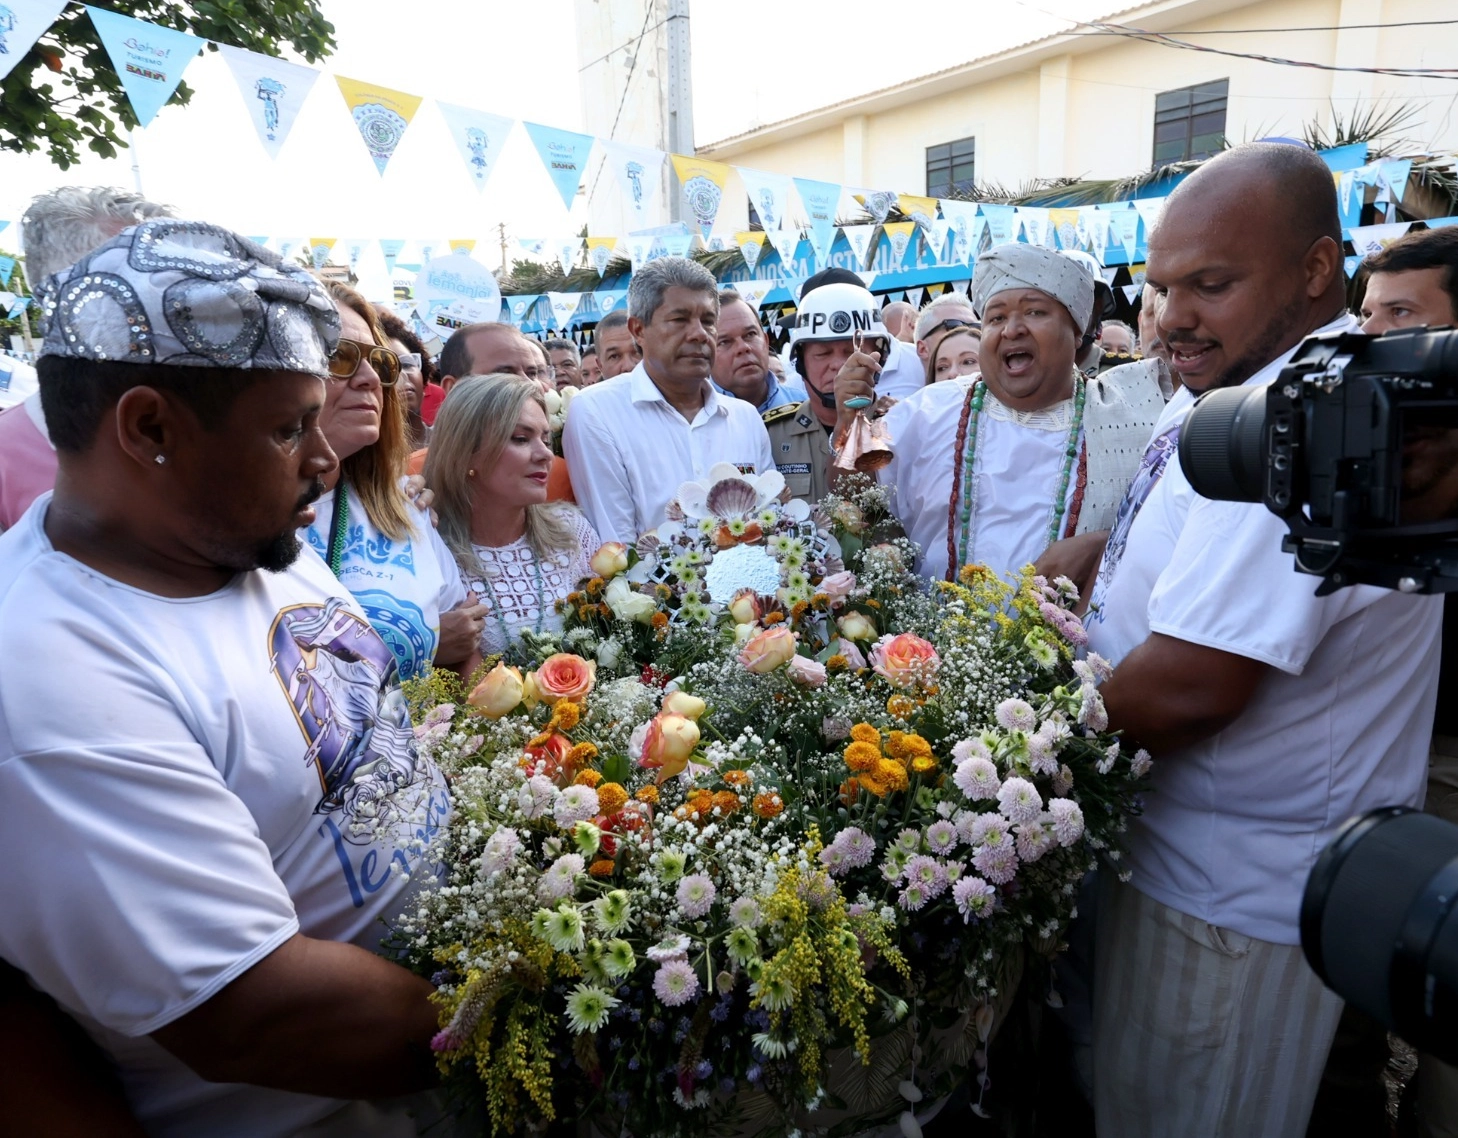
{"x":964,"y":488}
{"x":338,"y":528}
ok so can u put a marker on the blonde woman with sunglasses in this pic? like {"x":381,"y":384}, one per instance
{"x":383,"y":549}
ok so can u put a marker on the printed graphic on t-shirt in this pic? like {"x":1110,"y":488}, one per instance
{"x":403,"y":627}
{"x":342,"y":681}
{"x":1151,"y":470}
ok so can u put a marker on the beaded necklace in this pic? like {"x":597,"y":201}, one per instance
{"x":338,"y":528}
{"x":500,"y":612}
{"x":964,"y":459}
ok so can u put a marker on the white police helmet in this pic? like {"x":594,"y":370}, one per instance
{"x":835,"y":312}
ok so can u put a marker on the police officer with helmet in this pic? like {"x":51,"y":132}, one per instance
{"x":823,"y":337}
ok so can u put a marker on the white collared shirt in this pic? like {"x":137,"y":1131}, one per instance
{"x":1339,"y":725}
{"x":628,"y":450}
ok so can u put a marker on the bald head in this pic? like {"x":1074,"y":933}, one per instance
{"x":900,"y":320}
{"x":488,"y":349}
{"x":1247,"y":262}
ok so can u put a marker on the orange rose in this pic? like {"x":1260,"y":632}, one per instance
{"x":549,"y":755}
{"x":905,"y":661}
{"x":565,"y":676}
{"x":773,"y":648}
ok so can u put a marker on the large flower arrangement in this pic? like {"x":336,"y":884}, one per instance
{"x":725,"y":841}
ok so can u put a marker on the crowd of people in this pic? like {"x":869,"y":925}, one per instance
{"x":244,"y":504}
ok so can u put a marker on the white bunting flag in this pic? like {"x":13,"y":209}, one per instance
{"x":769,"y":194}
{"x":639,"y":174}
{"x":640,"y":248}
{"x":1036,"y":229}
{"x":566,"y":250}
{"x":754,"y":292}
{"x":1369,"y":239}
{"x":878,"y":203}
{"x":965,"y":228}
{"x":1093,"y":230}
{"x":858,"y":237}
{"x":1124,"y":227}
{"x":24,"y":22}
{"x":273,"y":90}
{"x":936,"y":238}
{"x":479,"y":137}
{"x":786,"y":243}
{"x":533,"y":246}
{"x":1149,"y":210}
{"x":1132,"y":291}
{"x":677,"y":244}
{"x":354,"y":248}
{"x":564,"y":307}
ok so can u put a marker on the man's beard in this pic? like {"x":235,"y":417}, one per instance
{"x":1263,"y":349}
{"x":282,"y":551}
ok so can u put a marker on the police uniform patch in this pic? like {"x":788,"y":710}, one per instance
{"x":792,"y":467}
{"x":803,"y":420}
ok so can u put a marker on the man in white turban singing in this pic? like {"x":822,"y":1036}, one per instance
{"x":1027,"y":461}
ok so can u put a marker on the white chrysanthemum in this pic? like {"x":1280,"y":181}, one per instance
{"x":536,"y":797}
{"x":1067,"y":819}
{"x":974,"y":897}
{"x":1063,"y":780}
{"x":1016,"y":715}
{"x":1042,"y":753}
{"x":560,"y":878}
{"x":1141,"y":762}
{"x":744,"y":913}
{"x":588,"y":1008}
{"x":675,"y":983}
{"x":999,"y":864}
{"x":561,"y":927}
{"x":613,"y":911}
{"x":977,"y":778}
{"x":1092,"y":713}
{"x":577,"y":804}
{"x":1035,"y":839}
{"x":941,"y":836}
{"x":695,"y":895}
{"x":1102,"y":669}
{"x":986,"y":830}
{"x":1019,"y":801}
{"x":859,"y":846}
{"x":501,"y":849}
{"x":970,"y":749}
{"x":670,"y":948}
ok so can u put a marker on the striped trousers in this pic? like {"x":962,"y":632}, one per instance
{"x":1201,"y":1032}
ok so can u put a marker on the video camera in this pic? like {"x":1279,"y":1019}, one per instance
{"x":1355,"y":445}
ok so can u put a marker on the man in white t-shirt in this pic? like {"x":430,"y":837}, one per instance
{"x":205,"y":846}
{"x":1274,"y":714}
{"x":632,"y":441}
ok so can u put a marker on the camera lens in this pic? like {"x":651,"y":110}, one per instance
{"x":1221,"y":445}
{"x":1379,"y":923}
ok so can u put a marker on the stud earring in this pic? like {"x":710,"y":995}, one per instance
{"x":160,"y":459}
{"x":471,"y":473}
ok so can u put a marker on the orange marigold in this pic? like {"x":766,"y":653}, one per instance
{"x":896,"y":746}
{"x":611,"y":797}
{"x":588,"y":778}
{"x":736,"y":778}
{"x":875,"y":604}
{"x":860,"y":756}
{"x":660,"y":620}
{"x":539,"y":740}
{"x":798,"y":610}
{"x":726,"y":801}
{"x":581,"y":753}
{"x":819,"y":600}
{"x":647,"y":794}
{"x":662,"y":592}
{"x":892,"y":773}
{"x":917,"y":747}
{"x":865,"y":733}
{"x":773,"y":618}
{"x":837,"y":663}
{"x":872,"y":783}
{"x":596,"y":586}
{"x":850,"y":790}
{"x":768,"y":804}
{"x":602,"y":867}
{"x":566,"y":714}
{"x":901,"y":706}
{"x":923,"y":764}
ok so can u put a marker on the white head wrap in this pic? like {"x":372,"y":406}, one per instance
{"x":1016,"y":265}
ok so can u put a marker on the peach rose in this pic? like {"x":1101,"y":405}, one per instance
{"x":670,"y":741}
{"x":810,"y":673}
{"x":906,"y":660}
{"x":681,"y":703}
{"x":768,"y":650}
{"x":610,"y":560}
{"x":565,"y":676}
{"x":838,"y":586}
{"x":745,"y":607}
{"x":499,"y":692}
{"x":856,"y":626}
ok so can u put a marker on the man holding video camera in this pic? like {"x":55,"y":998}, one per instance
{"x":1413,"y":283}
{"x":1273,"y":714}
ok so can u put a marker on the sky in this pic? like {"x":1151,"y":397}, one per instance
{"x":754,"y":61}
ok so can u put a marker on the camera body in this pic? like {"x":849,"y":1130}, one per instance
{"x":1355,"y":446}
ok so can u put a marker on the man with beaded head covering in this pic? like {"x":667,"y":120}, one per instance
{"x":1001,"y":467}
{"x":208,"y":850}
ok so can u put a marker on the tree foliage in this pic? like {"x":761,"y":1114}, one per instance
{"x":65,"y":94}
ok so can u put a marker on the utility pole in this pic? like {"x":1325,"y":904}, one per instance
{"x":679,"y":97}
{"x":501,"y":233}
{"x":136,"y":162}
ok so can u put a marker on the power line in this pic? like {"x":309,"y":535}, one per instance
{"x":1268,"y":31}
{"x":627,"y":85}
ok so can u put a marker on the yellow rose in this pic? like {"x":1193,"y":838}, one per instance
{"x":499,"y":692}
{"x":773,"y":648}
{"x":670,"y":741}
{"x":610,"y":560}
{"x":681,"y":703}
{"x":857,"y":626}
{"x":744,"y":608}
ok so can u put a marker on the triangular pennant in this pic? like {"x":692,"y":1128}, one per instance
{"x":754,"y":292}
{"x":7,"y":267}
{"x":769,"y":195}
{"x":428,"y":248}
{"x":464,"y":245}
{"x":1132,"y":291}
{"x":532,"y":246}
{"x":380,"y":114}
{"x":519,"y":308}
{"x":564,"y":153}
{"x":701,"y":184}
{"x":921,"y":210}
{"x":716,"y":243}
{"x":1350,"y":265}
{"x":273,"y":90}
{"x":1369,"y":239}
{"x":966,"y":228}
{"x":900,"y":234}
{"x":1125,"y":228}
{"x":1063,"y":227}
{"x":866,"y":275}
{"x":787,"y":245}
{"x":149,"y":58}
{"x":1002,"y":224}
{"x":1395,"y":173}
{"x":566,"y":249}
{"x":878,"y":203}
{"x":600,"y":252}
{"x":354,"y":248}
{"x":1094,"y":223}
{"x":288,"y":246}
{"x":821,"y":200}
{"x":639,"y":173}
{"x":1035,"y":222}
{"x":611,"y":299}
{"x":1149,"y":210}
{"x":479,"y":137}
{"x":750,"y":244}
{"x":1109,"y":274}
{"x":17,"y":306}
{"x":564,"y":307}
{"x":676,"y":244}
{"x":640,"y":248}
{"x":319,"y":250}
{"x":858,"y":237}
{"x":914,"y":296}
{"x":390,"y":247}
{"x":23,"y":24}
{"x":936,"y":238}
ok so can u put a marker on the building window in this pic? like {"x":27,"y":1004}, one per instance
{"x":951,"y":166}
{"x":1190,"y":123}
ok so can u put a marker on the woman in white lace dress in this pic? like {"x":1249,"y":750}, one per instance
{"x":489,"y":460}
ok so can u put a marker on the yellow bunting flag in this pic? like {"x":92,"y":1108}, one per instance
{"x":462,"y":245}
{"x":921,"y":210}
{"x":702,"y":184}
{"x":1064,"y":222}
{"x":319,"y":250}
{"x":750,"y":244}
{"x":380,"y":114}
{"x":900,"y":234}
{"x":600,"y":252}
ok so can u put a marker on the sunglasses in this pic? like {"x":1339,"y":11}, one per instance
{"x":952,"y":322}
{"x":410,"y":361}
{"x":345,"y":361}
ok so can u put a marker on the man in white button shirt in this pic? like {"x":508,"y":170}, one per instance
{"x":1274,"y":715}
{"x":630,"y":442}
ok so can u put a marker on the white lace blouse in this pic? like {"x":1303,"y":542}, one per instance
{"x":512,"y":594}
